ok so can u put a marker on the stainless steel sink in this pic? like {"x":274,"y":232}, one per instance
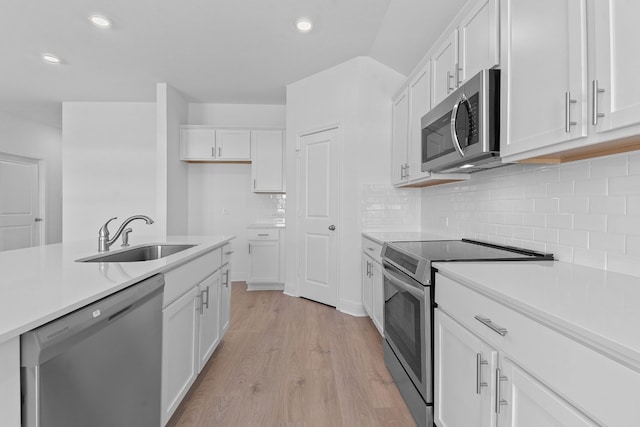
{"x":138,"y":253}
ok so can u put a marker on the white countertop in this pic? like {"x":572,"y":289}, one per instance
{"x":43,"y":283}
{"x":400,"y":236}
{"x":598,"y":308}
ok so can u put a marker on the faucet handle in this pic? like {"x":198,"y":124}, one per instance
{"x":104,"y":230}
{"x":125,"y":237}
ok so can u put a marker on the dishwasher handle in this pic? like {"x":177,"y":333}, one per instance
{"x":43,"y":343}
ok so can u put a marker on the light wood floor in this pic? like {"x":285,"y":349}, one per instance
{"x":291,"y":362}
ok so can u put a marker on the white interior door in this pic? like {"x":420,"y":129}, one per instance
{"x":318,"y":212}
{"x":19,"y":202}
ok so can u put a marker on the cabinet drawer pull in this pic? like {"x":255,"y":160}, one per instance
{"x":499,"y":401}
{"x":479,"y":382}
{"x":228,"y":253}
{"x":263,"y":234}
{"x":219,"y":151}
{"x":567,"y":105}
{"x":488,"y":323}
{"x":594,"y":93}
{"x":205,"y":303}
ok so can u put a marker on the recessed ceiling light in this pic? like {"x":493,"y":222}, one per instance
{"x":100,"y":21}
{"x":51,"y":59}
{"x":304,"y":25}
{"x":466,"y":166}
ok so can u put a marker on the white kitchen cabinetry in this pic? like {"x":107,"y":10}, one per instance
{"x":265,"y":259}
{"x":399,"y":138}
{"x":533,"y":375}
{"x":419,"y":105}
{"x":614,"y":74}
{"x":191,"y":327}
{"x":373,"y":282}
{"x":267,"y":171}
{"x":472,"y":46}
{"x":205,"y":143}
{"x":544,"y":84}
{"x":225,"y":300}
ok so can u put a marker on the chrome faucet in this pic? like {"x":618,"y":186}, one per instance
{"x":104,"y":243}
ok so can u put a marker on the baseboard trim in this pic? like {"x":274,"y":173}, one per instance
{"x":265,"y":286}
{"x":352,"y":308}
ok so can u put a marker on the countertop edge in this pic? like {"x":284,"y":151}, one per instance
{"x":596,"y":342}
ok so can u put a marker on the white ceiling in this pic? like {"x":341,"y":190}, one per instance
{"x":222,"y":51}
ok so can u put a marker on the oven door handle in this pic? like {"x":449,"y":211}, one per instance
{"x":402,"y":285}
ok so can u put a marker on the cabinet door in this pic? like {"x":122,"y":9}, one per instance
{"x":233,"y":144}
{"x":546,"y":87}
{"x":264,"y":261}
{"x":420,"y":101}
{"x":367,"y":289}
{"x":180,"y":324}
{"x":198,"y":144}
{"x":464,"y":376}
{"x":615,"y":44}
{"x":443,"y":69}
{"x":377,"y":283}
{"x":209,"y":317}
{"x":400,"y":135}
{"x":225,"y":300}
{"x":479,"y":44}
{"x":267,"y":168}
{"x":528,"y":403}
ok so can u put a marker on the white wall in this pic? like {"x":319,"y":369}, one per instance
{"x":356,"y":96}
{"x":585,"y":212}
{"x":23,"y":137}
{"x":214,"y":188}
{"x":172,"y":173}
{"x":109,"y":158}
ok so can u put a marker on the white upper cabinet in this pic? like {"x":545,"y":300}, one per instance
{"x":443,"y":71}
{"x":233,"y":144}
{"x":204,"y":143}
{"x":478,"y":40}
{"x":267,"y":171}
{"x":614,"y":84}
{"x":544,"y":78}
{"x":399,"y":152}
{"x":419,"y":105}
{"x":473,"y":45}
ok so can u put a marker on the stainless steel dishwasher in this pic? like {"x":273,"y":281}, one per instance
{"x":98,"y":366}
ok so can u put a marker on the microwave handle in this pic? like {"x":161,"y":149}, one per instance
{"x":454,"y":116}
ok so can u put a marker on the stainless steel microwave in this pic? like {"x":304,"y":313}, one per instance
{"x":462,"y":133}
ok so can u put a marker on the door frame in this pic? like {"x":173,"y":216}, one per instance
{"x":41,"y":165}
{"x":299,"y":135}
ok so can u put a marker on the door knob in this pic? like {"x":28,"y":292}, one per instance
{"x":332,"y":227}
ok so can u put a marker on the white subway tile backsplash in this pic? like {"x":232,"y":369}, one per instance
{"x":607,"y":242}
{"x":586,"y":212}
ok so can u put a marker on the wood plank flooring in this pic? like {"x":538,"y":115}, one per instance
{"x":292,"y":362}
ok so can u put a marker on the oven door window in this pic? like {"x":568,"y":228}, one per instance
{"x":403,"y":325}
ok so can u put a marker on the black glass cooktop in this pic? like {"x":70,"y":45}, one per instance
{"x":416,"y":257}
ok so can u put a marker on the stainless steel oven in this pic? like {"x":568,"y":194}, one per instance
{"x":407,"y":328}
{"x":409,"y":284}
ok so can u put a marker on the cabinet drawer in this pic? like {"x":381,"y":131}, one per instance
{"x":595,"y":383}
{"x":371,"y":248}
{"x":182,"y":278}
{"x":263,"y":234}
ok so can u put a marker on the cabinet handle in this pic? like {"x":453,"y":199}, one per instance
{"x":449,"y":79}
{"x":228,"y":253}
{"x":479,"y":363}
{"x":458,"y":72}
{"x":201,"y":308}
{"x":594,"y":93}
{"x":407,"y":166}
{"x":226,"y":278}
{"x":249,"y":247}
{"x":263,"y":234}
{"x":254,"y":183}
{"x":487,"y":322}
{"x":213,"y":152}
{"x":205,"y":304}
{"x":369,"y":265}
{"x":567,"y":111}
{"x":371,"y":249}
{"x":402,"y":172}
{"x":219,"y":151}
{"x":499,"y":402}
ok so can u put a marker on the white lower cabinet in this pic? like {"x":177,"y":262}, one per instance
{"x":265,"y":259}
{"x":373,"y":283}
{"x":495,"y":366}
{"x":194,"y":318}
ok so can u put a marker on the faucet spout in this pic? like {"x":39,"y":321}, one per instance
{"x":104,"y":242}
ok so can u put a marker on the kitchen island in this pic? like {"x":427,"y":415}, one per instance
{"x":43,"y":283}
